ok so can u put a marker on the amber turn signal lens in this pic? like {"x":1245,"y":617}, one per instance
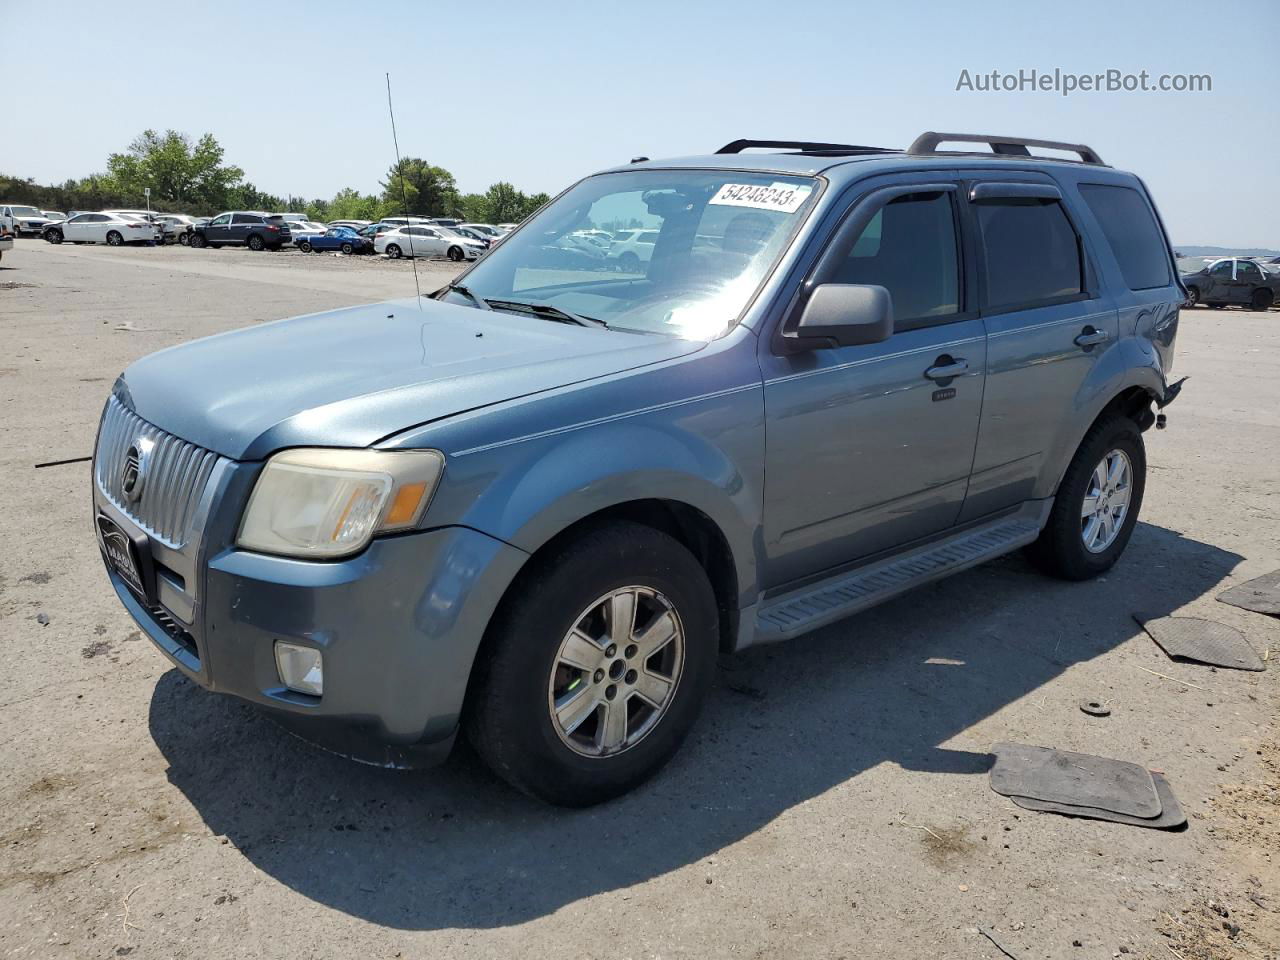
{"x":404,"y":507}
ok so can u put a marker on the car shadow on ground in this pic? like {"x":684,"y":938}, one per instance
{"x":454,"y":847}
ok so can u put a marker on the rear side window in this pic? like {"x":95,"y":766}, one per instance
{"x":1132,"y":232}
{"x":1247,"y":271}
{"x":1032,"y":254}
{"x":246,"y":218}
{"x":909,"y":248}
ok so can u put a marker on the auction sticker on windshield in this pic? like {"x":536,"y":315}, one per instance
{"x":782,"y":197}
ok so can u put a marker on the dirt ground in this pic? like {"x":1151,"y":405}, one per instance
{"x":832,"y":802}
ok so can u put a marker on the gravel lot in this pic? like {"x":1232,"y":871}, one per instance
{"x":832,"y":802}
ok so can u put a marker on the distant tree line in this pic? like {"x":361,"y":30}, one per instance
{"x":187,"y":176}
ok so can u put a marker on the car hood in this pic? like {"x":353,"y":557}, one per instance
{"x":351,"y":377}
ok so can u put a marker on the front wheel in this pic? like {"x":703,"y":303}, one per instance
{"x":53,"y":236}
{"x":455,"y":254}
{"x":197,"y":240}
{"x":305,"y":247}
{"x":1193,"y":297}
{"x":114,"y":239}
{"x":1097,"y":504}
{"x":596,"y":666}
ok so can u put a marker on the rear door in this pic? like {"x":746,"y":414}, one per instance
{"x":1047,"y":323}
{"x":869,"y":447}
{"x":242,"y":224}
{"x":1248,"y":279}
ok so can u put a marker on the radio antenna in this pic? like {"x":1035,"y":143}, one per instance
{"x":404,"y":193}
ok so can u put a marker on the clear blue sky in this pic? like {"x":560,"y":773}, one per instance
{"x":540,"y":93}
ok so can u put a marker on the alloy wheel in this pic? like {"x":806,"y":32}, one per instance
{"x":1106,"y":501}
{"x":616,"y":671}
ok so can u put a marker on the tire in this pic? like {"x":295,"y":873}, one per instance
{"x":393,"y":251}
{"x":198,"y":241}
{"x":255,"y":243}
{"x":304,"y":246}
{"x":1193,"y":297}
{"x":347,"y":248}
{"x":455,"y":254}
{"x":1261,"y":300}
{"x":510,"y":717}
{"x":1061,"y":549}
{"x":629,"y":263}
{"x":114,"y":239}
{"x":53,"y":236}
{"x":184,"y":239}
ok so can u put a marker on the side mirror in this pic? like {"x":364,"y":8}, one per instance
{"x":843,"y":315}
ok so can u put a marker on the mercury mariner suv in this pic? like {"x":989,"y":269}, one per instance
{"x":535,"y":504}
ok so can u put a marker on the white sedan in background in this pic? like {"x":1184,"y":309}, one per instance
{"x":427,"y":241}
{"x":306,"y":228}
{"x":113,"y":229}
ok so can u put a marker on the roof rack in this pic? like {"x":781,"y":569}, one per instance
{"x":927,"y":143}
{"x":802,"y":146}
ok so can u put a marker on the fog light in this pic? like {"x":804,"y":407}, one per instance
{"x":301,"y":668}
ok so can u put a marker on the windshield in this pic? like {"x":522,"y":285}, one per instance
{"x":26,"y":212}
{"x":708,"y":239}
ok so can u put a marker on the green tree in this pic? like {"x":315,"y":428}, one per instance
{"x":421,"y":188}
{"x":182,"y":175}
{"x":351,"y":204}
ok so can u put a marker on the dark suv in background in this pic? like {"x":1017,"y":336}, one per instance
{"x":250,"y":228}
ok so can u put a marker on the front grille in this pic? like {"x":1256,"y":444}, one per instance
{"x":176,"y":474}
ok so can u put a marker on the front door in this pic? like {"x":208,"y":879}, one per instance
{"x":870,"y":447}
{"x":218,"y":230}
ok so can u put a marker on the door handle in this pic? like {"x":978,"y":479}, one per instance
{"x":945,"y":367}
{"x":1091,"y":337}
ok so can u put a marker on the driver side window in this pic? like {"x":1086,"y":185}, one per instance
{"x":221,"y":221}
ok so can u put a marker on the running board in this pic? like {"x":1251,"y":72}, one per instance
{"x":819,"y":604}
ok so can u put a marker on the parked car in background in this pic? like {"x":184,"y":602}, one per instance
{"x":250,"y":228}
{"x":342,"y":239}
{"x":293,"y":217}
{"x":631,"y":249}
{"x":355,"y":224}
{"x":444,"y":221}
{"x":374,"y":230}
{"x":305,"y":228}
{"x":54,"y":215}
{"x":420,"y":240}
{"x":487,"y":229}
{"x":177,"y":227}
{"x":507,"y":227}
{"x":22,"y":219}
{"x":151,"y":218}
{"x":474,"y":235}
{"x":113,"y":229}
{"x":1230,"y":281}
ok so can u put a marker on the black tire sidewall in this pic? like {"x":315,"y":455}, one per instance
{"x":517,"y":736}
{"x":1066,"y":553}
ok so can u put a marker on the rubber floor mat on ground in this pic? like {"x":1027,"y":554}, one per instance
{"x":1170,"y":818}
{"x":1078,"y":779}
{"x":1201,"y":641}
{"x":1261,"y":595}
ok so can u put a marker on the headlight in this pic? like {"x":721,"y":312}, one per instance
{"x":330,"y":503}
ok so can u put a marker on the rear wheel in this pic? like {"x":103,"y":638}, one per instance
{"x":347,"y":248}
{"x":1261,"y":300}
{"x":455,"y":254}
{"x":393,"y":251}
{"x":114,"y":239}
{"x":596,"y":666}
{"x":629,"y":263}
{"x":184,"y":239}
{"x":1097,"y":504}
{"x":255,"y":242}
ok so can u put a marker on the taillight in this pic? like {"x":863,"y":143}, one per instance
{"x":273,"y":229}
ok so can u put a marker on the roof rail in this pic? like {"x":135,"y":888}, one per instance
{"x":927,"y":143}
{"x":801,"y":146}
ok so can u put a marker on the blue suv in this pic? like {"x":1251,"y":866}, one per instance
{"x":537,"y":503}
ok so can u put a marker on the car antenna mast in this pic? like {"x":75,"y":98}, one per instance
{"x":404,"y":193}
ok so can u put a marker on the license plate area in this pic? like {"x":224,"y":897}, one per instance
{"x":129,"y":556}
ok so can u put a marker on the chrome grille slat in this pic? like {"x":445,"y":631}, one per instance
{"x":177,"y":474}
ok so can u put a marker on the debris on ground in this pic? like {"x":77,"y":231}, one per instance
{"x":1201,"y":641}
{"x":1260,"y":595}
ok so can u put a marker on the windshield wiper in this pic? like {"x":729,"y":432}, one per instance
{"x":549,"y":312}
{"x":480,"y":302}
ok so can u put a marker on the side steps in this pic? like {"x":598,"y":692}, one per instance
{"x":817,"y":604}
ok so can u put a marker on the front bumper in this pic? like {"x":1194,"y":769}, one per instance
{"x":398,"y":627}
